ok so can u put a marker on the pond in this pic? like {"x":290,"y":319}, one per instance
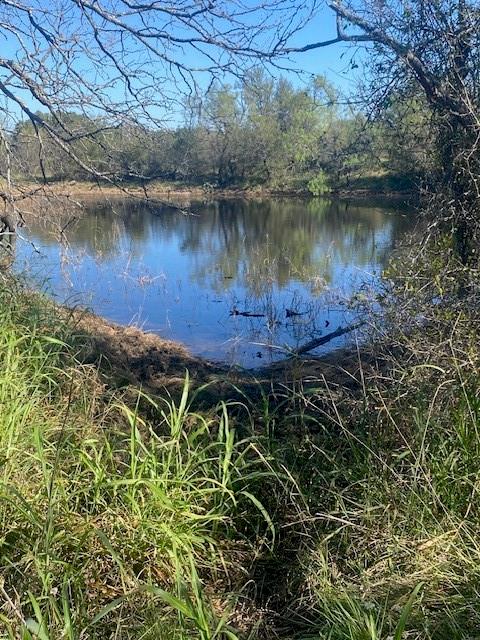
{"x":235,"y":281}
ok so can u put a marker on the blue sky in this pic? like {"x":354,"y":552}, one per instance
{"x":332,"y":61}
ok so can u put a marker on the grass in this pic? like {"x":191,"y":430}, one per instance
{"x":108,"y":521}
{"x":396,"y":547}
{"x":312,"y":511}
{"x":383,"y":182}
{"x":380,"y":182}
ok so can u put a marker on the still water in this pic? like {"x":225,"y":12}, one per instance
{"x":291,"y":264}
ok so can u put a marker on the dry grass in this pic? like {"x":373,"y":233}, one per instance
{"x":320,"y":506}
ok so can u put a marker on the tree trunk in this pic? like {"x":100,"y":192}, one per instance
{"x":459,"y":185}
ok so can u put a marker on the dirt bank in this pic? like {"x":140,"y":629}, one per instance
{"x":132,"y":356}
{"x":179,"y":194}
{"x":129,"y":356}
{"x":173,"y":193}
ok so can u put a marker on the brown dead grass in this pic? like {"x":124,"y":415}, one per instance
{"x":130,"y":357}
{"x":176,"y":194}
{"x":136,"y":357}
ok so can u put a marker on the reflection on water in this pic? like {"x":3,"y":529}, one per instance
{"x":290,"y":263}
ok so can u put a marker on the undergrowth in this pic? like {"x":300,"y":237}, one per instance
{"x":314,"y":511}
{"x":112,"y":525}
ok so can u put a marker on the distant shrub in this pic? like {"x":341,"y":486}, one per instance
{"x":318,"y":185}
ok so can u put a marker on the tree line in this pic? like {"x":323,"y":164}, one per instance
{"x":124,"y":67}
{"x":262,"y":131}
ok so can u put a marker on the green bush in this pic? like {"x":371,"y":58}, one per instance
{"x":318,"y":186}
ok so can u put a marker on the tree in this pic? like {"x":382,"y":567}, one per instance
{"x":404,"y":135}
{"x":262,"y":130}
{"x":223,"y":120}
{"x":436,"y":44}
{"x":123,"y":64}
{"x":92,"y":76}
{"x":285,"y":125}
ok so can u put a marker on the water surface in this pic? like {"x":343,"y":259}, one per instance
{"x":293,"y":263}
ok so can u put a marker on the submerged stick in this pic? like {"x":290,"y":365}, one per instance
{"x":246,"y":314}
{"x":330,"y":336}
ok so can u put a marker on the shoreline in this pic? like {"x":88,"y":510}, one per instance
{"x":145,"y":358}
{"x":182,"y":194}
{"x":130,"y":356}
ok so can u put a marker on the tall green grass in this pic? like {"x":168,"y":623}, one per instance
{"x":112,"y":524}
{"x":390,"y":470}
{"x":308,"y":511}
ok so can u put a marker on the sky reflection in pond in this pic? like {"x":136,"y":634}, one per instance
{"x":290,"y":262}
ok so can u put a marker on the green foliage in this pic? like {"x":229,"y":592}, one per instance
{"x":110,"y":521}
{"x":264,"y":131}
{"x":354,"y":517}
{"x":318,"y":186}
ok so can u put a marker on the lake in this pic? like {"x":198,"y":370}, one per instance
{"x":290,"y":265}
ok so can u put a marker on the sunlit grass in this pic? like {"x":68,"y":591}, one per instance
{"x":109,"y":520}
{"x":306,"y":511}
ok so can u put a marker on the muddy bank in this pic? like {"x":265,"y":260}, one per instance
{"x":132,"y":356}
{"x":129,"y":356}
{"x":167,"y":193}
{"x":183,"y":194}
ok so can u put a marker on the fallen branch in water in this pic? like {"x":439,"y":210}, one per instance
{"x":324,"y":339}
{"x":246,"y":314}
